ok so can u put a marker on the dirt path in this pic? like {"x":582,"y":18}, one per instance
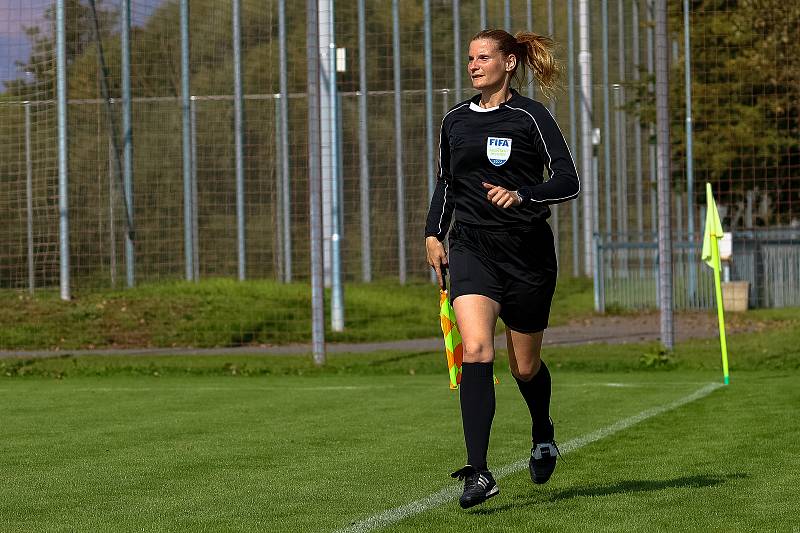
{"x":600,"y":329}
{"x":643,"y":327}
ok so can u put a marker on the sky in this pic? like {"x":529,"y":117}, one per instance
{"x":14,"y":45}
{"x":15,"y":14}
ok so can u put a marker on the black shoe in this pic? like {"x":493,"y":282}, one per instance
{"x":543,"y":461}
{"x":479,"y":486}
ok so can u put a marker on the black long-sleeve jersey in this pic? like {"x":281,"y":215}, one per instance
{"x":508,"y":145}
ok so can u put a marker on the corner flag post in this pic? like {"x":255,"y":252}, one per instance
{"x":713,"y":232}
{"x":720,"y":314}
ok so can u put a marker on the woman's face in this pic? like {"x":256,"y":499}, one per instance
{"x":487,"y":67}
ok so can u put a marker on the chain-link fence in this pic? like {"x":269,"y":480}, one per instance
{"x":739,"y":133}
{"x":188,"y":157}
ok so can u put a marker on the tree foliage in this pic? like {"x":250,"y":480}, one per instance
{"x":745,"y":61}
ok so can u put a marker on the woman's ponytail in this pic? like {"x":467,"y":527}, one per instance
{"x":536,"y":52}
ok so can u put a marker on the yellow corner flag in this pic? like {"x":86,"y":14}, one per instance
{"x":713,"y":231}
{"x":710,"y":255}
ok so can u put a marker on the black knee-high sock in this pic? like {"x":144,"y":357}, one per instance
{"x":537,"y":395}
{"x":477,"y":410}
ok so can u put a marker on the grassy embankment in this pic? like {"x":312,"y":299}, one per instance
{"x":224,"y":313}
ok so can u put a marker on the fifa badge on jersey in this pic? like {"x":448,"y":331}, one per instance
{"x":498,"y":150}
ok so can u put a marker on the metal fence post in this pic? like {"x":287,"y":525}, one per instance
{"x":112,"y":233}
{"x":606,"y":121}
{"x":456,"y":48}
{"x":194,"y":203}
{"x":29,"y":196}
{"x":431,"y":157}
{"x":652,"y":126}
{"x":63,"y":168}
{"x":363,"y":143}
{"x":599,"y":276}
{"x":429,"y":162}
{"x":328,"y":142}
{"x":279,"y":207}
{"x":587,"y":149}
{"x":127,"y":138}
{"x":529,"y":28}
{"x":622,"y":127}
{"x":398,"y":142}
{"x":573,"y":132}
{"x":337,"y":290}
{"x":187,"y":143}
{"x":285,"y":200}
{"x":663,"y":149}
{"x":315,"y":182}
{"x":238,"y":112}
{"x":619,"y":155}
{"x":637,"y":138}
{"x":687,"y":53}
{"x":551,"y":31}
{"x":340,"y":166}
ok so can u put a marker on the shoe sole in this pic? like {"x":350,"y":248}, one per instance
{"x":494,"y":491}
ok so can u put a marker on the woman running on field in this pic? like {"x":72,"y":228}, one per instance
{"x":494,"y":148}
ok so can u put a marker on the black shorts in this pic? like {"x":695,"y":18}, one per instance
{"x":515,"y":267}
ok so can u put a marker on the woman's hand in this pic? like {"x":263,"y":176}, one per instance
{"x":501,"y":197}
{"x":436,"y":256}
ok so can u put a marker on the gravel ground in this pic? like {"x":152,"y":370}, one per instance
{"x":643,"y":327}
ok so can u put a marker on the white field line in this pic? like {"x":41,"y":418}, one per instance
{"x":654,"y":384}
{"x":226,"y":389}
{"x":452,"y":492}
{"x":630,"y":384}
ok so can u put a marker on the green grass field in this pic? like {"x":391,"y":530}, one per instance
{"x":177,"y":443}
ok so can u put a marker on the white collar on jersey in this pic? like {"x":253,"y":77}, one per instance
{"x":473,"y":105}
{"x":476,"y":107}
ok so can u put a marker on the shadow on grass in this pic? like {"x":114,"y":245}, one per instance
{"x":621,"y":487}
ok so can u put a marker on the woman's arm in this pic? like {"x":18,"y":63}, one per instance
{"x":564,"y":183}
{"x":440,"y":211}
{"x":441,"y":208}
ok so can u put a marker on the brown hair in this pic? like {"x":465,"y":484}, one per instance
{"x":531,"y":50}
